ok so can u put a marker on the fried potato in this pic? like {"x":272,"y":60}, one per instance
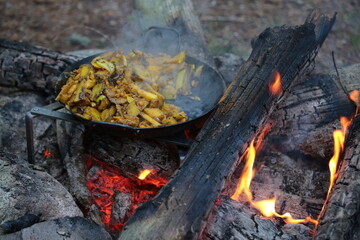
{"x":130,"y":89}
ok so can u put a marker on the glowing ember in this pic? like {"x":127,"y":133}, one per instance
{"x":106,"y":183}
{"x":266,"y":207}
{"x":47,"y":153}
{"x":275,"y":86}
{"x":143,"y":174}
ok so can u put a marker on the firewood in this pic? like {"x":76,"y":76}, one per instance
{"x":294,"y":164}
{"x":304,"y":120}
{"x":181,"y":209}
{"x":31,"y":68}
{"x":72,"y":151}
{"x":339,"y":220}
{"x":349,"y":77}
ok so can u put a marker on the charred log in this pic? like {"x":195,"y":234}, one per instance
{"x":294,"y":164}
{"x":349,"y":77}
{"x":70,"y":140}
{"x":32,"y":68}
{"x":305,"y":119}
{"x":134,"y":155}
{"x":182,"y":207}
{"x":340,"y":218}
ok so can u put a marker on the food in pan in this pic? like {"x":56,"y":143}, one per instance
{"x":130,"y":89}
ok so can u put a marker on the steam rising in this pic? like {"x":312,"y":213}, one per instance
{"x":171,"y":40}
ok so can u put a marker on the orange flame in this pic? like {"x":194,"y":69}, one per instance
{"x":354,"y":96}
{"x":143,"y":174}
{"x":266,"y":207}
{"x":247,"y":174}
{"x":275,"y":86}
{"x":339,"y":139}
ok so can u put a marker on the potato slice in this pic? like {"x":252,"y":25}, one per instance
{"x":84,"y":71}
{"x":93,"y":112}
{"x":147,"y":95}
{"x":125,"y":121}
{"x":180,"y":58}
{"x":108,"y":113}
{"x":133,"y":109}
{"x":101,"y":63}
{"x":150,"y":119}
{"x":155,"y":113}
{"x":66,"y":91}
{"x":169,"y":121}
{"x":198,"y":71}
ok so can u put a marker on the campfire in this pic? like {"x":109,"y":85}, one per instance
{"x":276,"y":157}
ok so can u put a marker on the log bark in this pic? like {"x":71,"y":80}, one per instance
{"x":181,"y":209}
{"x":31,"y":68}
{"x":340,"y":218}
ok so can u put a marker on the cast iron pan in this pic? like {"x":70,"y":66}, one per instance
{"x":210,"y":89}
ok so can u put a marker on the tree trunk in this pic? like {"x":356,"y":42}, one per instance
{"x":181,"y":16}
{"x":182,"y":208}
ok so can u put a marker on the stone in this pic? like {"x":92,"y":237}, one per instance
{"x":67,"y":228}
{"x":25,"y":190}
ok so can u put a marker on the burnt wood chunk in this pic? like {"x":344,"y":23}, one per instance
{"x":29,"y":67}
{"x":182,"y":208}
{"x":340,"y":218}
{"x":349,"y":77}
{"x":304,"y":121}
{"x":72,"y":151}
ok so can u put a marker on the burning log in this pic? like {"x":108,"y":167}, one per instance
{"x":293,"y":164}
{"x":307,"y":115}
{"x":182,"y":207}
{"x":339,"y":219}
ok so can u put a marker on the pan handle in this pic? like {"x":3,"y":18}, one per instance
{"x":145,"y":35}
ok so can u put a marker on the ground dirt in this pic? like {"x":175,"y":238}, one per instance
{"x":229,"y":26}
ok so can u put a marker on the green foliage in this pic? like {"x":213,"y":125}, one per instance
{"x":78,"y":39}
{"x":355,"y":40}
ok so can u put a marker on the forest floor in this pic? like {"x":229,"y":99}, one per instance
{"x":229,"y":25}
